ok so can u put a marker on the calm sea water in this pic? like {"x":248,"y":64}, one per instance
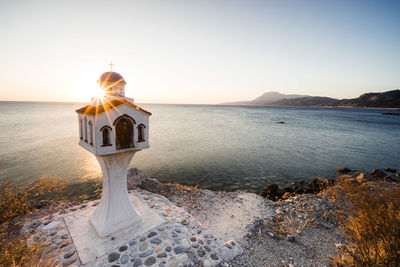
{"x":217,"y":147}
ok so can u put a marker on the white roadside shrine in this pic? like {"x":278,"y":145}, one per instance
{"x":113,"y":128}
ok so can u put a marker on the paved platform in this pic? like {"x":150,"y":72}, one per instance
{"x":169,"y":237}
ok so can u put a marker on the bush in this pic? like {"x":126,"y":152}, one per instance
{"x":369,"y":216}
{"x":16,"y":201}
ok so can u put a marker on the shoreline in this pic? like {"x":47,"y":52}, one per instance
{"x":297,"y":226}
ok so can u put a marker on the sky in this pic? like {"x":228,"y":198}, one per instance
{"x":198,"y":52}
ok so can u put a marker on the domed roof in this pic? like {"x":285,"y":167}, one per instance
{"x":112,"y":77}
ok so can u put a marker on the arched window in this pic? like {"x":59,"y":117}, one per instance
{"x":85,"y":130}
{"x":106,"y":136}
{"x":141,"y":134}
{"x":90,"y":133}
{"x":80,"y":129}
{"x":124,"y":133}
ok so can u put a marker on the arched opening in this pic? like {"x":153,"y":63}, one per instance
{"x":124,"y":133}
{"x":106,"y":136}
{"x":80,"y":129}
{"x":141,"y":134}
{"x":85,"y":130}
{"x":90,"y":133}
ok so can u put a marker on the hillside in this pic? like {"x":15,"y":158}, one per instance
{"x":389,"y":99}
{"x":304,"y":101}
{"x":265,"y":99}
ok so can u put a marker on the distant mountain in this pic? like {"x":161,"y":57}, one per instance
{"x":389,"y":99}
{"x":266,"y":99}
{"x":304,"y":101}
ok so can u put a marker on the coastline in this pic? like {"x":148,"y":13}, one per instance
{"x":353,"y":107}
{"x":295,"y":228}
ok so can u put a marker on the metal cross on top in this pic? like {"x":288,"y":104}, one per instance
{"x":111,"y":65}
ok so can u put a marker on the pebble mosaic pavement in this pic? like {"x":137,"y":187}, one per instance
{"x":180,"y":241}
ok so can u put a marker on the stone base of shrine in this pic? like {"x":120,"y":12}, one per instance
{"x":90,"y":246}
{"x":166,"y":236}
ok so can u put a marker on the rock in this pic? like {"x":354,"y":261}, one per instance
{"x":185,"y":244}
{"x":137,"y":262}
{"x":291,"y":238}
{"x":341,"y":170}
{"x":64,"y":236}
{"x":207,"y":263}
{"x":123,"y":248}
{"x":193,"y":239}
{"x":69,"y":254}
{"x":201,"y":253}
{"x":156,"y":241}
{"x":363,"y":177}
{"x":135,"y":178}
{"x":178,"y":250}
{"x":113,"y":257}
{"x":143,"y":246}
{"x":124,"y":259}
{"x":69,"y":262}
{"x":228,"y":245}
{"x":270,"y":191}
{"x":192,"y":256}
{"x":145,"y":254}
{"x":143,"y":238}
{"x":391,"y":178}
{"x":378,"y":174}
{"x":162,"y":255}
{"x":324,"y":224}
{"x":182,"y":258}
{"x":150,"y":261}
{"x":319,"y":184}
{"x":390,"y":170}
{"x":214,"y":256}
{"x":132,"y":243}
{"x":271,"y":234}
{"x":164,"y":235}
{"x":151,"y":234}
{"x":35,"y":224}
{"x":168,"y":249}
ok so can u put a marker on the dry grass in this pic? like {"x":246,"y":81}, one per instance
{"x":15,"y":202}
{"x":369,"y":216}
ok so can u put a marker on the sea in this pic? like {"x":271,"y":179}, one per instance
{"x":213,"y":146}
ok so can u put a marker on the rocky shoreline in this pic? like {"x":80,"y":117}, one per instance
{"x":317,"y":185}
{"x":290,"y":226}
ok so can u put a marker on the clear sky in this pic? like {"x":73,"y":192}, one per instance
{"x":198,"y":51}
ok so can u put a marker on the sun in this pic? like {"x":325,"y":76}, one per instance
{"x":99,"y":93}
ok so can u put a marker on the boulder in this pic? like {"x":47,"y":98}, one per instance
{"x":271,"y":192}
{"x":390,"y":170}
{"x":363,"y":177}
{"x":392,"y":178}
{"x":378,"y":174}
{"x":135,"y":178}
{"x":342,"y":170}
{"x":319,"y":184}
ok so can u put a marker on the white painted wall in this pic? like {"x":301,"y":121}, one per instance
{"x":108,"y":118}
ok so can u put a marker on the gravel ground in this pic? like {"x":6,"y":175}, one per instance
{"x":299,"y":231}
